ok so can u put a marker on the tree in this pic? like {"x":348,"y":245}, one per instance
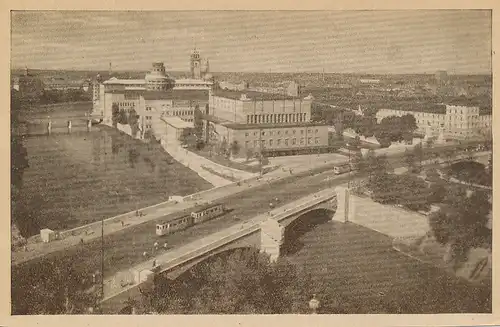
{"x":376,"y":164}
{"x":56,"y":288}
{"x":242,"y":282}
{"x":460,"y":223}
{"x":235,"y":148}
{"x":249,"y":154}
{"x":339,"y":127}
{"x":198,"y":122}
{"x":356,"y":142}
{"x":358,"y":162}
{"x":429,"y":142}
{"x":409,"y":158}
{"x":149,"y":135}
{"x":437,"y":192}
{"x":115,"y":114}
{"x":122,"y":117}
{"x":408,"y":123}
{"x":133,"y":121}
{"x":223,"y":147}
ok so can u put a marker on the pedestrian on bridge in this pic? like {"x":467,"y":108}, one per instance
{"x":122,"y":223}
{"x":145,"y":254}
{"x":154,"y":263}
{"x":156,"y":246}
{"x":165,"y":245}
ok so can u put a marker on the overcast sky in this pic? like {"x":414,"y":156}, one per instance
{"x":283,"y":41}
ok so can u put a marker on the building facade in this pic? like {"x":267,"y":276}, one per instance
{"x":153,"y":98}
{"x":263,"y":123}
{"x":455,"y":122}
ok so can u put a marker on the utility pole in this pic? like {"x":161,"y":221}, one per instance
{"x":102,"y":227}
{"x":261,"y":146}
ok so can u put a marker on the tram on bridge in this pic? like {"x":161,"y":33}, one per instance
{"x":198,"y":215}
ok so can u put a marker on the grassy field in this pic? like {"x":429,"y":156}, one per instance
{"x":78,"y":178}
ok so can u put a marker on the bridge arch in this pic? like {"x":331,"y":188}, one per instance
{"x":302,"y":224}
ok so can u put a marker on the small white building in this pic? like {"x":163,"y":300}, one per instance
{"x":47,"y":235}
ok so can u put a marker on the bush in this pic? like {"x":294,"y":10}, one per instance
{"x":406,"y":190}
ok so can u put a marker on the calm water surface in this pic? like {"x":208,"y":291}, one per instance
{"x":82,"y":177}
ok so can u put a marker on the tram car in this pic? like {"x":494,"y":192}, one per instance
{"x":198,"y":215}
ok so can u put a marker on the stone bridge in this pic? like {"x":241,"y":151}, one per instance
{"x":267,"y":233}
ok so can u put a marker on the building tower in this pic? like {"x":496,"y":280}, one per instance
{"x":207,"y":68}
{"x":157,"y":79}
{"x":195,"y":64}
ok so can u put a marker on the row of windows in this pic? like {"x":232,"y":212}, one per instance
{"x":125,"y":104}
{"x":131,"y":96}
{"x":286,"y":142}
{"x":206,"y":212}
{"x":309,"y":131}
{"x":181,"y":112}
{"x":276,"y":118}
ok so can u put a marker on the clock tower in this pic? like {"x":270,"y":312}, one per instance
{"x":195,"y":64}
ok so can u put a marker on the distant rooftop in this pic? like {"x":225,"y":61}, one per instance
{"x":251,"y":95}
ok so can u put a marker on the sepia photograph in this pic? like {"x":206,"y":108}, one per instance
{"x":213,"y":162}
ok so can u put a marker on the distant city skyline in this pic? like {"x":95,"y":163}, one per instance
{"x":372,"y":42}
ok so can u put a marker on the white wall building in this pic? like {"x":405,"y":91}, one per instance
{"x":456,"y":122}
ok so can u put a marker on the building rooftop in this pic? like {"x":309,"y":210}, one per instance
{"x":280,"y":125}
{"x":251,"y":95}
{"x":418,"y":107}
{"x":177,"y":122}
{"x":114,"y":80}
{"x":217,"y":120}
{"x":177,"y":94}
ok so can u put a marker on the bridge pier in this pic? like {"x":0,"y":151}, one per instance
{"x":272,"y":235}
{"x":345,"y":205}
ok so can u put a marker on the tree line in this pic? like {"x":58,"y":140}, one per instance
{"x":462,"y":215}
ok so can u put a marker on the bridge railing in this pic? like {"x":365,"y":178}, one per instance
{"x":317,"y":199}
{"x":209,"y":247}
{"x":190,"y":255}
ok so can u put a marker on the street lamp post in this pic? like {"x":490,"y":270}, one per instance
{"x":314,"y":304}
